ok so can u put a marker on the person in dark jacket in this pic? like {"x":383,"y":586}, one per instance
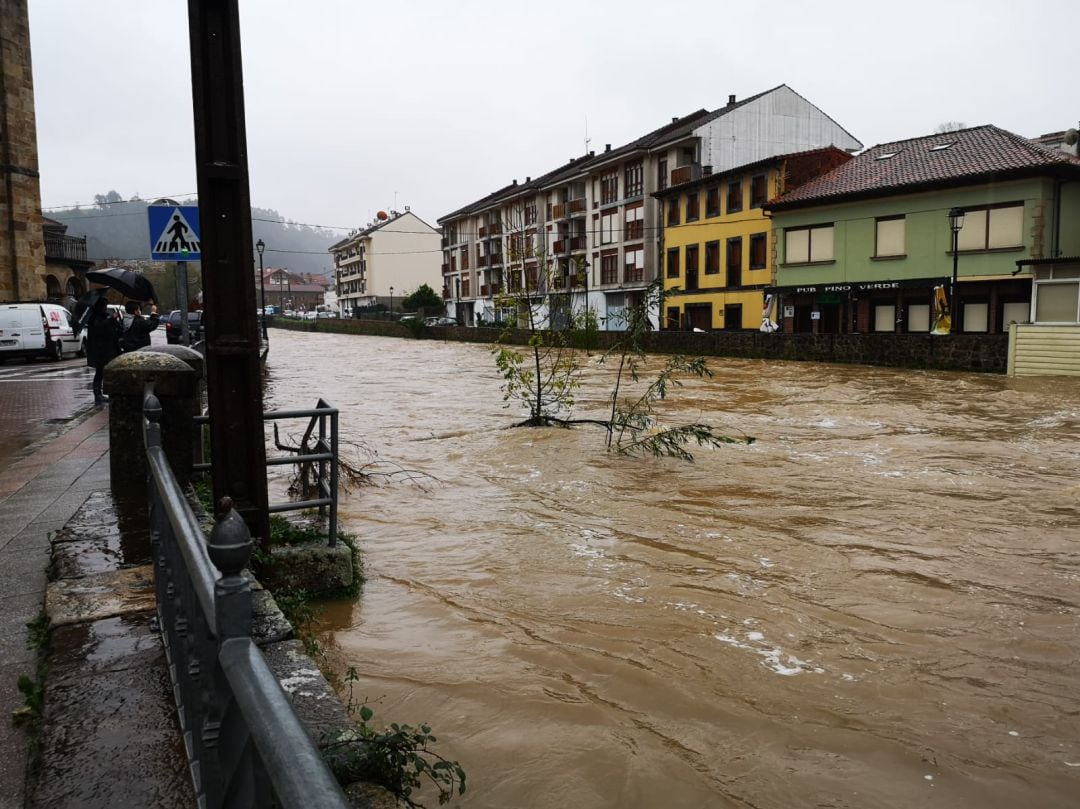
{"x":102,"y":344}
{"x":136,"y":330}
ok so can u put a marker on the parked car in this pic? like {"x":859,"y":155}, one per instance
{"x":440,"y":321}
{"x":324,"y":315}
{"x":173,"y":324}
{"x":31,"y":330}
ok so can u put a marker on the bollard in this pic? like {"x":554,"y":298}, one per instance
{"x":176,"y":386}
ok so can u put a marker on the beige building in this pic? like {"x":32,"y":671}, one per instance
{"x":22,"y":245}
{"x":385,"y":261}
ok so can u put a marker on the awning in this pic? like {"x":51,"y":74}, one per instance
{"x":856,"y":286}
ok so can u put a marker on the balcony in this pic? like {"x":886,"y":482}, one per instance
{"x":483,"y":232}
{"x":481,"y":261}
{"x":495,"y":229}
{"x":445,"y":268}
{"x":446,"y":293}
{"x":577,"y":205}
{"x":65,"y":248}
{"x":445,"y":242}
{"x":634,"y":274}
{"x":560,"y":245}
{"x":577,"y":243}
{"x":483,"y":290}
{"x":559,"y":211}
{"x":684,"y":174}
{"x":496,"y":259}
{"x":465,"y":288}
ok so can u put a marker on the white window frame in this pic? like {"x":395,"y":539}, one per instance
{"x":1046,"y":277}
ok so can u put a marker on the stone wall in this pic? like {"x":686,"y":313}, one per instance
{"x":22,"y":245}
{"x":960,"y":352}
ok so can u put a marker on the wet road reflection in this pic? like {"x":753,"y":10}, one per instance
{"x":875,"y":605}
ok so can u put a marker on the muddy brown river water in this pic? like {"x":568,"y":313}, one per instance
{"x":874,"y":605}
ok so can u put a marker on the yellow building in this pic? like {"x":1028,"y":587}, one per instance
{"x":717,"y":248}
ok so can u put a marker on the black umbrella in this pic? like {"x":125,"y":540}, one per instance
{"x":84,"y":306}
{"x":128,"y":282}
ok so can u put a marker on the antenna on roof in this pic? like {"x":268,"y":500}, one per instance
{"x":588,"y":140}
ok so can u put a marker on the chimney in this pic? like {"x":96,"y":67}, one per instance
{"x":607,"y":147}
{"x":706,"y":171}
{"x":528,"y":179}
{"x":730,"y":100}
{"x":674,"y":118}
{"x":592,"y":154}
{"x":515,"y":182}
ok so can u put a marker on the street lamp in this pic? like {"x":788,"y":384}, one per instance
{"x":956,"y":221}
{"x":260,"y":246}
{"x":391,"y":301}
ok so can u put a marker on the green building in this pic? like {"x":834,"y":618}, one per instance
{"x":862,"y":248}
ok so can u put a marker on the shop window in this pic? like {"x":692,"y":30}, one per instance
{"x":885,"y":317}
{"x":976,"y":317}
{"x":918,"y":318}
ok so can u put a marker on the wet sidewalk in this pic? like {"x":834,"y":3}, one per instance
{"x":109,"y":736}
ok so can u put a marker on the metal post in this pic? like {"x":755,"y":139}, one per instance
{"x":260,"y":246}
{"x":956,"y":222}
{"x":333,"y":475}
{"x":233,"y":371}
{"x":182,"y":302}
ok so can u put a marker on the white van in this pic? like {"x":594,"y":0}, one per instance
{"x":32,"y":330}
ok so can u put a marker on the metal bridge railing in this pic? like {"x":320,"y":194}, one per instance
{"x":246,"y":748}
{"x":324,"y":454}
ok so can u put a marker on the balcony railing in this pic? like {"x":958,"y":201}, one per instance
{"x":559,"y":211}
{"x":634,"y":274}
{"x":577,"y":243}
{"x":483,"y":231}
{"x":577,"y":205}
{"x":71,"y":248}
{"x":445,"y":268}
{"x":483,"y":290}
{"x":495,"y":258}
{"x":495,"y":229}
{"x":561,"y":245}
{"x":481,"y":261}
{"x":446,"y":293}
{"x":684,"y":174}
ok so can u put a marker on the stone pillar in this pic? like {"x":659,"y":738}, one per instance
{"x":22,"y":244}
{"x":176,"y":386}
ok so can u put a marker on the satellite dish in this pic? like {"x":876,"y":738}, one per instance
{"x":1071,"y":136}
{"x":382,"y":215}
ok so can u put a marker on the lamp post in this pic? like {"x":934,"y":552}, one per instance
{"x":391,"y":302}
{"x":956,"y":221}
{"x":260,"y":246}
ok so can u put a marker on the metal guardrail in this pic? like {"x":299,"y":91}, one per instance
{"x":325,"y":455}
{"x":246,"y":748}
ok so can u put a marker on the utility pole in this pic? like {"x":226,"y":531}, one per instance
{"x":233,"y":371}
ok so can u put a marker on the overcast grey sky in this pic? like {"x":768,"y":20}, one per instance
{"x":353,"y":106}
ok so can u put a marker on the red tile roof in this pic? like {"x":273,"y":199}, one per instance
{"x":980,"y":154}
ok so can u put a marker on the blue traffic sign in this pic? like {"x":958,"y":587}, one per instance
{"x":174,"y":233}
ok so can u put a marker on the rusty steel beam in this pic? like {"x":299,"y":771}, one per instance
{"x":233,"y":373}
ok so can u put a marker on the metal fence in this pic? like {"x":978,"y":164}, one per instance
{"x":245,"y":745}
{"x":323,"y":455}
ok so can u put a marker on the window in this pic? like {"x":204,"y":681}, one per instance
{"x":609,"y":187}
{"x":693,"y":200}
{"x":758,"y":244}
{"x":633,"y":182}
{"x":712,"y":258}
{"x":712,"y":201}
{"x":1014,"y":313}
{"x":758,"y":192}
{"x":673,"y":262}
{"x":809,"y":244}
{"x":976,"y":317}
{"x":885,"y":317}
{"x":673,"y":211}
{"x":635,"y":222}
{"x":992,"y":228}
{"x":734,"y":197}
{"x":609,"y":269}
{"x":609,"y":226}
{"x":918,"y":318}
{"x":889,"y":240}
{"x":635,"y":265}
{"x":691,"y":259}
{"x":530,"y":213}
{"x":661,"y":175}
{"x":734,"y":262}
{"x":1057,"y":294}
{"x":673,"y":317}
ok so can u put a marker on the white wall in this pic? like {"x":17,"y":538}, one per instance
{"x":403,"y":254}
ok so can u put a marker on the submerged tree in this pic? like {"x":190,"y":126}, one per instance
{"x":546,"y":374}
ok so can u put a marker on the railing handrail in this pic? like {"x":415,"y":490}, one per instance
{"x":220,"y":709}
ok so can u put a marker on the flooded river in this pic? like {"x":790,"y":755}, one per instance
{"x":874,"y":605}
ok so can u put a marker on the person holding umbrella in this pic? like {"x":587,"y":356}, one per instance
{"x":136,"y":332}
{"x":102,"y":343}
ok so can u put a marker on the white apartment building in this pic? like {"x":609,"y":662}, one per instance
{"x":388,"y":259}
{"x":594,"y":219}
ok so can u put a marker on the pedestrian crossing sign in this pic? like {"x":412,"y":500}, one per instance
{"x":174,"y":233}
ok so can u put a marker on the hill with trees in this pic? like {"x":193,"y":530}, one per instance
{"x":117,"y":228}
